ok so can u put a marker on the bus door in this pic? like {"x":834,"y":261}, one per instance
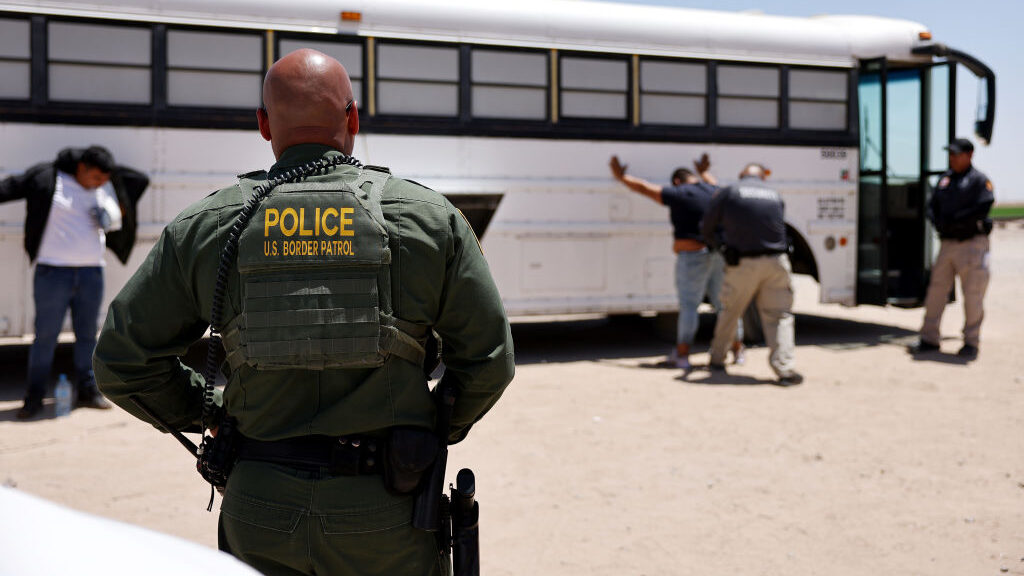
{"x":906,"y":118}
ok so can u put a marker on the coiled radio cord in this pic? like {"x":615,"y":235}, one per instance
{"x":227,"y":261}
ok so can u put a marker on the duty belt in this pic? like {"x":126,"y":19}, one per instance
{"x":344,"y":456}
{"x":760,"y":253}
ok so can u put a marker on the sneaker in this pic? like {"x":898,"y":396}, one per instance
{"x":739,"y":356}
{"x":716,"y":367}
{"x":683,"y":363}
{"x":92,"y":399}
{"x":30,"y":409}
{"x":968,"y":351}
{"x":923,"y":347}
{"x":791,"y":379}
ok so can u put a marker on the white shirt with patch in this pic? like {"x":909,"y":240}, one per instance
{"x":73,"y":236}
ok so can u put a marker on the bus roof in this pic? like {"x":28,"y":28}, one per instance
{"x":559,"y":24}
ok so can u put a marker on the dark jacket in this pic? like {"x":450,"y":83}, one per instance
{"x":37,"y":184}
{"x":960,"y":204}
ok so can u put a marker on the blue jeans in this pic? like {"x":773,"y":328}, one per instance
{"x":698,"y":273}
{"x":55,"y":289}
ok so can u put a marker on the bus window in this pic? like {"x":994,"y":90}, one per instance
{"x":983,"y":119}
{"x":939,"y":134}
{"x":214,"y":69}
{"x":594,"y":87}
{"x":349,"y":54}
{"x":869,"y":98}
{"x":98,"y":63}
{"x":417,"y":80}
{"x":509,"y":84}
{"x":15,"y":58}
{"x":748,"y":96}
{"x":817,"y":99}
{"x":903,"y":126}
{"x":673,"y":93}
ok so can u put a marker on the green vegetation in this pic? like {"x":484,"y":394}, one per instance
{"x":1008,"y":211}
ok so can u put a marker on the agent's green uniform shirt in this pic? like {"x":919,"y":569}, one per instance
{"x":439,"y":278}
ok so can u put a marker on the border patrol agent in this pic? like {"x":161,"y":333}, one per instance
{"x":959,"y":209}
{"x":340,"y":274}
{"x":753,"y":230}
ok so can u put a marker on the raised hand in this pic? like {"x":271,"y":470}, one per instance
{"x":618,"y":168}
{"x":703,"y":164}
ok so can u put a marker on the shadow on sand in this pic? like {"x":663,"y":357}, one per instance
{"x":596,"y":340}
{"x":619,"y":338}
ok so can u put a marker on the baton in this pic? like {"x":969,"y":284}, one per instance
{"x":188,"y":444}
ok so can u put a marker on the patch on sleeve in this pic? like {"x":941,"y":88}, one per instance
{"x":944,"y":182}
{"x":988,"y":185}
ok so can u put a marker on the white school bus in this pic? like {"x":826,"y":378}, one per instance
{"x":512,"y":111}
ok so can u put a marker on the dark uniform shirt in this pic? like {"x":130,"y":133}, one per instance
{"x":687,"y":204}
{"x":751,"y":218}
{"x":439,"y":278}
{"x":960,"y":204}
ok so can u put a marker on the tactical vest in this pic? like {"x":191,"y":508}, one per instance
{"x":314,"y":264}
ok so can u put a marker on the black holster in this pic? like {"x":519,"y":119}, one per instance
{"x":732,"y":256}
{"x":410,"y":453}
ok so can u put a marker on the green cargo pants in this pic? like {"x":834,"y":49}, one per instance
{"x":284,"y":521}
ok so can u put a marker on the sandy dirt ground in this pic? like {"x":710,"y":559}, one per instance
{"x":595,"y":463}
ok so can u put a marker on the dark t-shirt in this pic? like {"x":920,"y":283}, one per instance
{"x":751,"y":216}
{"x":687,"y":204}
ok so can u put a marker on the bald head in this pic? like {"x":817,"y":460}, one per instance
{"x":304,"y":99}
{"x":754,"y":170}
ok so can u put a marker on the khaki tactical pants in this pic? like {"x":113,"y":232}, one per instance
{"x":967,"y":259}
{"x":283,"y":521}
{"x":766,"y":279}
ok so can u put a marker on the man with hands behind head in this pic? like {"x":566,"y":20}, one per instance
{"x":76,"y":206}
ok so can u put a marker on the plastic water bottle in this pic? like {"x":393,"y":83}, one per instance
{"x":63,"y":395}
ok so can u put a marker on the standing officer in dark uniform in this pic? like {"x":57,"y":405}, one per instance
{"x":340,"y":274}
{"x":753,"y":231}
{"x":959,"y":209}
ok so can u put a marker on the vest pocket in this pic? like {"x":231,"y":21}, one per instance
{"x":318,"y":322}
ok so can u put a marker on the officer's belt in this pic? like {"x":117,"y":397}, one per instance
{"x":759,"y":253}
{"x":344,"y":456}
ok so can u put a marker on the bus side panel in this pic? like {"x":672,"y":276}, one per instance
{"x":568,"y":239}
{"x":565,"y":238}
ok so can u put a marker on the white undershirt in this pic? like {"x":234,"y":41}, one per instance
{"x":72,"y":236}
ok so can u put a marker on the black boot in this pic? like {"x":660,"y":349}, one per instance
{"x":90,"y":397}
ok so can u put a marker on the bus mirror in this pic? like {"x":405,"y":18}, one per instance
{"x":986,"y":110}
{"x":987,"y":88}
